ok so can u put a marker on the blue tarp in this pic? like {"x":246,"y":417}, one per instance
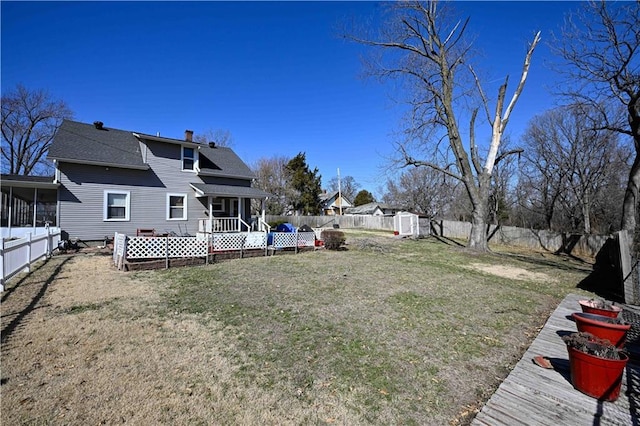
{"x":285,"y":227}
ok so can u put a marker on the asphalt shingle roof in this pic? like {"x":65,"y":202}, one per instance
{"x":222,"y":161}
{"x":230,"y":190}
{"x":22,"y":178}
{"x":370,"y":208}
{"x":84,"y":143}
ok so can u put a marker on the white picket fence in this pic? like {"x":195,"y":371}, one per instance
{"x":139,"y":248}
{"x":18,"y":255}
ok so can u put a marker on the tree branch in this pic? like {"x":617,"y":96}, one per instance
{"x":523,"y":79}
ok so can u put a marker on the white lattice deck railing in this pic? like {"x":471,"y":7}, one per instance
{"x":163,"y":247}
{"x":137,"y":248}
{"x":238,"y":241}
{"x":261,"y":240}
{"x":293,"y":239}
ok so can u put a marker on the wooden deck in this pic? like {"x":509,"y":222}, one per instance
{"x":532,"y":395}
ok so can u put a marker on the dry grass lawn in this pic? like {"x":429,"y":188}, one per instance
{"x":389,"y":331}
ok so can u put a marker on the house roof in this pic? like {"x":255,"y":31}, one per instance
{"x":204,"y":189}
{"x":325,"y":196}
{"x":330,"y":197}
{"x":222,"y":161}
{"x":20,"y":181}
{"x":370,"y":208}
{"x":83,"y":143}
{"x":165,"y":139}
{"x":213,"y":161}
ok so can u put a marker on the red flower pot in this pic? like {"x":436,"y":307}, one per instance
{"x":597,"y":377}
{"x":602,"y":327}
{"x":593,"y":307}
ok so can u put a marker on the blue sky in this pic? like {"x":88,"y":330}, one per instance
{"x":277,"y":75}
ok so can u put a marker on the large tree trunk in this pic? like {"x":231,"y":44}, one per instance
{"x":480,"y":202}
{"x":631,"y":201}
{"x":478,"y":237}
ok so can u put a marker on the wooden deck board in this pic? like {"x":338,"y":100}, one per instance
{"x":532,"y":395}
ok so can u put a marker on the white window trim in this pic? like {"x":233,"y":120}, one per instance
{"x":195,"y":159}
{"x":105,"y":210}
{"x":184,"y":210}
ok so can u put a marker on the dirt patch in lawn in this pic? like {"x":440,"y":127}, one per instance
{"x":512,"y":272}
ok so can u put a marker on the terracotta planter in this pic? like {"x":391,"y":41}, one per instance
{"x":602,"y":327}
{"x":597,"y":377}
{"x":595,"y":307}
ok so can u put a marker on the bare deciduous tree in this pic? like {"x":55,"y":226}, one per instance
{"x":348,"y":186}
{"x":600,"y":48}
{"x":501,"y":197}
{"x":30,"y":120}
{"x":272,"y":178}
{"x":220,"y":137}
{"x":570,"y":167}
{"x":421,"y":189}
{"x":428,"y":50}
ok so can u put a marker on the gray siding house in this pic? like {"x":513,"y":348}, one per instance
{"x":113,"y":180}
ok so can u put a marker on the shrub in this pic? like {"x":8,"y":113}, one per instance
{"x":333,"y":239}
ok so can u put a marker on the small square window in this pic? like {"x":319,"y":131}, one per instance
{"x":176,"y":206}
{"x":116,"y":205}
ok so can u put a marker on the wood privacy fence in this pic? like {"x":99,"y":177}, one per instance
{"x":349,"y":222}
{"x":630,"y":273}
{"x":18,"y":255}
{"x":587,"y":245}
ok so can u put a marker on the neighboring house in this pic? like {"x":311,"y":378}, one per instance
{"x":331,"y":202}
{"x":374,"y":209}
{"x":113,"y":180}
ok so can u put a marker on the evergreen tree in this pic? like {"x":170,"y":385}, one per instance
{"x":363,"y":197}
{"x":305,"y":185}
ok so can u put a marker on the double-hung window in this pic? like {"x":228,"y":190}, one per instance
{"x":117,"y":205}
{"x":188,"y":158}
{"x":176,"y":206}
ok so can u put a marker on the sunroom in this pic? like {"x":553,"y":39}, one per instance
{"x":29,"y":205}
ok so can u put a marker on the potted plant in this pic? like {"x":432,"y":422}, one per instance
{"x":600,"y":307}
{"x":596,"y":365}
{"x":612,"y":329}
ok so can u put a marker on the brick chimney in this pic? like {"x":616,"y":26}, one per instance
{"x":188,"y":135}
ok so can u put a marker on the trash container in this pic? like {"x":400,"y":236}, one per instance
{"x":305,"y":228}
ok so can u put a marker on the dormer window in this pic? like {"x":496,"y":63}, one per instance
{"x":188,"y":158}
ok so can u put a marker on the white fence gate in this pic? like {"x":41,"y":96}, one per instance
{"x":18,"y":255}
